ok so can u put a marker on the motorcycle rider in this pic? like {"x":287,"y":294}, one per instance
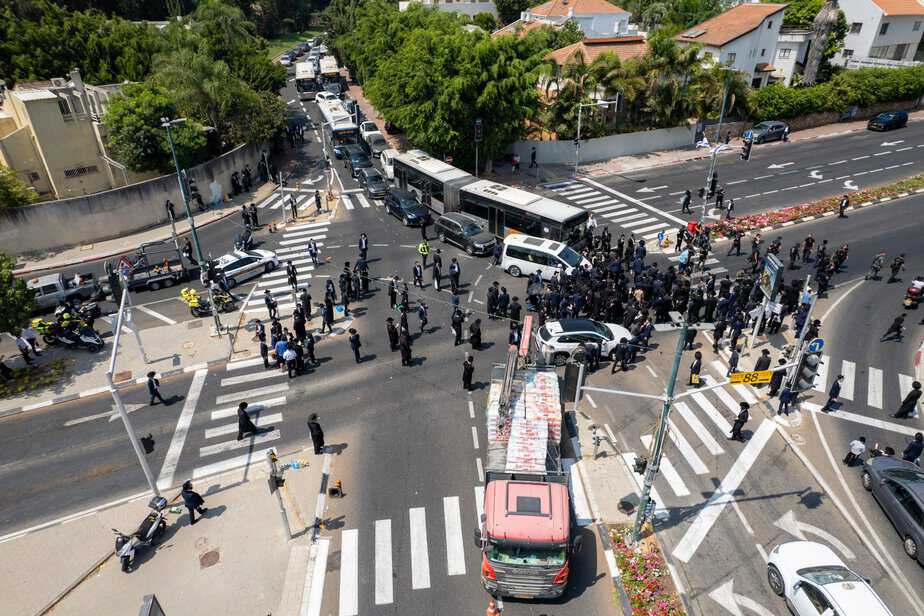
{"x":876,"y":265}
{"x":898,"y":264}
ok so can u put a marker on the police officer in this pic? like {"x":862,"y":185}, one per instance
{"x":423,"y":249}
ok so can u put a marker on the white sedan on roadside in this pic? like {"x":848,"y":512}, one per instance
{"x":559,"y":339}
{"x":814,"y":581}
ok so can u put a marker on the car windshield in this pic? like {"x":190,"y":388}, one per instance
{"x":510,"y":555}
{"x":470,"y":229}
{"x":763,"y":126}
{"x":411,"y":206}
{"x":905,"y":474}
{"x":544,"y":333}
{"x":603,"y":330}
{"x":829,"y":575}
{"x":373,"y":177}
{"x":570,"y":257}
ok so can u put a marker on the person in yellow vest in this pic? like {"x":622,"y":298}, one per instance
{"x":423,"y":248}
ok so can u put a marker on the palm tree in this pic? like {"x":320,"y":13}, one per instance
{"x":202,"y":87}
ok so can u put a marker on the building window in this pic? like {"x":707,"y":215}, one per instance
{"x":65,"y":108}
{"x":770,"y":25}
{"x":763,"y":52}
{"x":917,"y":26}
{"x":730,"y":58}
{"x":78,"y":171}
{"x":855,"y":27}
{"x":879,"y":52}
{"x":848,"y":53}
{"x":784,"y":53}
{"x":899,"y":52}
{"x":883,"y":29}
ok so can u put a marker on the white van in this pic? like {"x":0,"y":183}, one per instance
{"x":387,"y":157}
{"x":525,"y":254}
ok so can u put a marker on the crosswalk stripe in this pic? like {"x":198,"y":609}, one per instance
{"x":745,"y":392}
{"x":250,"y":441}
{"x":686,"y":450}
{"x":295,"y":251}
{"x":821,"y":378}
{"x":251,"y":393}
{"x":455,"y":554}
{"x":303,"y":240}
{"x":621,"y":211}
{"x":281,"y":273}
{"x":591,"y":199}
{"x":231,"y":428}
{"x":874,"y":388}
{"x":608,"y":208}
{"x":849,"y":370}
{"x":668,"y":471}
{"x":904,"y":385}
{"x":636,"y":223}
{"x":566,"y":184}
{"x":305,"y":233}
{"x":280,"y":307}
{"x":230,"y":463}
{"x":730,"y":403}
{"x":571,"y":192}
{"x":479,"y":503}
{"x":347,"y":202}
{"x":277,"y":288}
{"x":660,"y":225}
{"x":308,"y":225}
{"x":619,"y":217}
{"x":601,"y":204}
{"x":248,"y":378}
{"x":349,"y":572}
{"x":717,"y":418}
{"x":383,"y":572}
{"x":266,"y":203}
{"x":254,"y":407}
{"x":244,"y":363}
{"x":420,"y":558}
{"x":363,"y":201}
{"x":704,"y":435}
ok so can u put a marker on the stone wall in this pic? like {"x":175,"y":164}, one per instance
{"x":604,"y":148}
{"x":113,"y":213}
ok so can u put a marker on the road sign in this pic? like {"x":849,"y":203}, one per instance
{"x":816,"y":345}
{"x":752,"y":378}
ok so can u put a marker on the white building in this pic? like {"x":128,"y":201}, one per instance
{"x":883,"y":33}
{"x":792,"y":49}
{"x":595,"y":18}
{"x":454,"y":6}
{"x":743,"y":37}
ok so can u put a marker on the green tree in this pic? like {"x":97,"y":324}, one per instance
{"x":486,"y":21}
{"x":16,"y":300}
{"x":13,"y":192}
{"x":509,"y":10}
{"x":137,"y":138}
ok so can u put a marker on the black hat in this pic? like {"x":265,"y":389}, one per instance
{"x":242,"y":406}
{"x":745,"y":406}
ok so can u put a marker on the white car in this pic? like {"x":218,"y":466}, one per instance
{"x":559,"y":339}
{"x":285,"y":60}
{"x":387,"y":158}
{"x":326,"y":96}
{"x":240,"y":265}
{"x":814,"y":581}
{"x":367,"y":128}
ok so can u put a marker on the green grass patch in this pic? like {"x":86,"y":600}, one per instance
{"x":278,"y":46}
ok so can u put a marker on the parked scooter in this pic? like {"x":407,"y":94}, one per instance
{"x":150,"y":530}
{"x":914,"y":292}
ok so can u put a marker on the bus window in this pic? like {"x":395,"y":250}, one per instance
{"x":523,"y":224}
{"x":476,"y":209}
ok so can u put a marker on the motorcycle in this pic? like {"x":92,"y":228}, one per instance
{"x":914,"y":292}
{"x":201,"y":307}
{"x":77,"y":335}
{"x":149,"y":531}
{"x":87,"y":312}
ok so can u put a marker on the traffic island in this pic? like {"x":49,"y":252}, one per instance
{"x":644,"y":573}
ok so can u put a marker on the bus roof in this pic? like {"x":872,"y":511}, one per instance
{"x":334,"y":112}
{"x":435,"y":168}
{"x":304,"y":70}
{"x":328,"y":65}
{"x":527,"y":201}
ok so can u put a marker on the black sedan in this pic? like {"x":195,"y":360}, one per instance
{"x":888,"y":120}
{"x":898,"y":487}
{"x":465,"y":232}
{"x":356,"y":161}
{"x":405,"y":206}
{"x":344,"y":151}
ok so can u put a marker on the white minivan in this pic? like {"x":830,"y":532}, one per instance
{"x":525,"y":254}
{"x":387,"y":158}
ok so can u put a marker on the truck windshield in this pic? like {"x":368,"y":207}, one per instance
{"x":520,"y":555}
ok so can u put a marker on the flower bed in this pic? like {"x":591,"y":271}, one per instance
{"x":36,"y":376}
{"x":645,"y":576}
{"x":815,"y":208}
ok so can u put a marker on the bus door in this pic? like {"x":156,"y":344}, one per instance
{"x":497,"y":223}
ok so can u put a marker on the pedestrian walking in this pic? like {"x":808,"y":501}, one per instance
{"x":496,"y":254}
{"x":316,"y":433}
{"x":786,"y":398}
{"x":685,"y":202}
{"x":776,"y":379}
{"x":24,"y":348}
{"x":895,"y":330}
{"x":532,"y":158}
{"x":363,"y":245}
{"x":308,"y":347}
{"x":834,"y":394}
{"x":742,"y":419}
{"x":272,"y":306}
{"x":733,"y":360}
{"x":422,"y":315}
{"x":854,"y":450}
{"x":457,"y":320}
{"x":244,"y":424}
{"x":730,"y":209}
{"x":437,"y":276}
{"x":910,"y":403}
{"x":468,"y":369}
{"x":897,"y":265}
{"x":154,"y":389}
{"x":695,"y":369}
{"x":763,"y":362}
{"x":264,"y":352}
{"x":292,"y":275}
{"x":293,"y":207}
{"x":355,"y":344}
{"x":290,"y":357}
{"x":455,"y":271}
{"x":474,"y":335}
{"x":254,"y":221}
{"x":392,"y":333}
{"x":418,"y":275}
{"x":317,"y":202}
{"x":914,"y":449}
{"x":313,"y":252}
{"x":842,"y":207}
{"x":736,"y":245}
{"x":193,"y":501}
{"x":404,"y":345}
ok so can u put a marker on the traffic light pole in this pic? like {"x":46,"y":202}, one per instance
{"x":800,"y":342}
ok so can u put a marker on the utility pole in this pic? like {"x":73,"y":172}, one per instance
{"x":718,"y":148}
{"x":168,"y":124}
{"x":479,"y":134}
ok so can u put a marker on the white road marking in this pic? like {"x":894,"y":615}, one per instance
{"x":660,"y":225}
{"x":347,"y":202}
{"x":479,"y":503}
{"x":874,"y":388}
{"x":383,"y":572}
{"x":455,"y":552}
{"x":253,"y":376}
{"x":618,"y":218}
{"x":860,"y":157}
{"x":156,"y":315}
{"x":667,"y":470}
{"x":704,"y":435}
{"x":686,"y":450}
{"x":608,"y":208}
{"x":302,"y":242}
{"x":349,"y":572}
{"x":471,"y":409}
{"x":165,"y":479}
{"x":711,"y":510}
{"x":261,"y":421}
{"x":479,"y":468}
{"x":582,"y":513}
{"x":837,"y":162}
{"x":475,"y":437}
{"x":636,"y":223}
{"x":848,"y":369}
{"x":420,"y":558}
{"x":244,"y":363}
{"x":597,"y":197}
{"x":230,"y":463}
{"x":636,"y":202}
{"x":821,"y":378}
{"x":363,"y":201}
{"x":314,"y":589}
{"x":717,"y":418}
{"x":251,"y":393}
{"x":248,"y":441}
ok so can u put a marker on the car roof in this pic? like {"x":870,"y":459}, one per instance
{"x":856,"y":598}
{"x":571,"y":326}
{"x":459,"y":218}
{"x":521,"y":239}
{"x":402,"y":194}
{"x":810,"y":554}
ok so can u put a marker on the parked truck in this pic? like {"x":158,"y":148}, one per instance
{"x":52,"y":289}
{"x":526,"y":530}
{"x":155,"y":265}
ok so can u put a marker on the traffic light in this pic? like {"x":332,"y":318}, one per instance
{"x":577,"y":143}
{"x":746,"y":150}
{"x":807,"y":370}
{"x":479,"y":129}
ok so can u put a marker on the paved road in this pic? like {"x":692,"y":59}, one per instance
{"x":777,"y":175}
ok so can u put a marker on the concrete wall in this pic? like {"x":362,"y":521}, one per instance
{"x":830,"y":117}
{"x":104,"y":215}
{"x":603,"y":148}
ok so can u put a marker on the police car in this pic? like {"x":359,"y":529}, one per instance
{"x":239,"y":265}
{"x":559,"y":339}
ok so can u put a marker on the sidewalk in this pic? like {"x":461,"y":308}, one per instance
{"x":234,"y":561}
{"x":171,"y":349}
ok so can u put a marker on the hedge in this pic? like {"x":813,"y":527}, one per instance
{"x":862,"y":87}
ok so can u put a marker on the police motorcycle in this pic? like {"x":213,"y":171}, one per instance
{"x":150,"y":530}
{"x":201,"y":307}
{"x":70,"y":330}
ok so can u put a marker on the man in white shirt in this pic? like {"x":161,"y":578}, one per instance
{"x":291,"y":359}
{"x":857,"y":447}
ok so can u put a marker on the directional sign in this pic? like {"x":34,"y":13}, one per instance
{"x":851,"y":185}
{"x":779,"y":165}
{"x":815,"y":174}
{"x":816,"y":345}
{"x":751,"y":378}
{"x":649,"y":189}
{"x":887,"y":144}
{"x":797,"y":529}
{"x":726,"y":596}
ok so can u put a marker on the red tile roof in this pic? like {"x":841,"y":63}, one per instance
{"x":520,"y":28}
{"x":900,"y":7}
{"x":561,"y":8}
{"x":732,"y":24}
{"x":624,"y":47}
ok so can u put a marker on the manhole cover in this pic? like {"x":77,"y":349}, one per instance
{"x":208,"y":559}
{"x":122,"y":376}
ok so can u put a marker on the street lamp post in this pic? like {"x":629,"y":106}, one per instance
{"x":577,"y":140}
{"x":719,"y":148}
{"x":168,"y":124}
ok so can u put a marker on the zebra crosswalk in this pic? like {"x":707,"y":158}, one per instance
{"x":265,"y":391}
{"x":884,"y":391}
{"x":617,"y":209}
{"x":350,"y":201}
{"x":275,"y":201}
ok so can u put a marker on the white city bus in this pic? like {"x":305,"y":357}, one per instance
{"x":305,"y":81}
{"x":339,"y":124}
{"x":329,"y":75}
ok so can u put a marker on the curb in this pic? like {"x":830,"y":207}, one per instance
{"x":100,"y":390}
